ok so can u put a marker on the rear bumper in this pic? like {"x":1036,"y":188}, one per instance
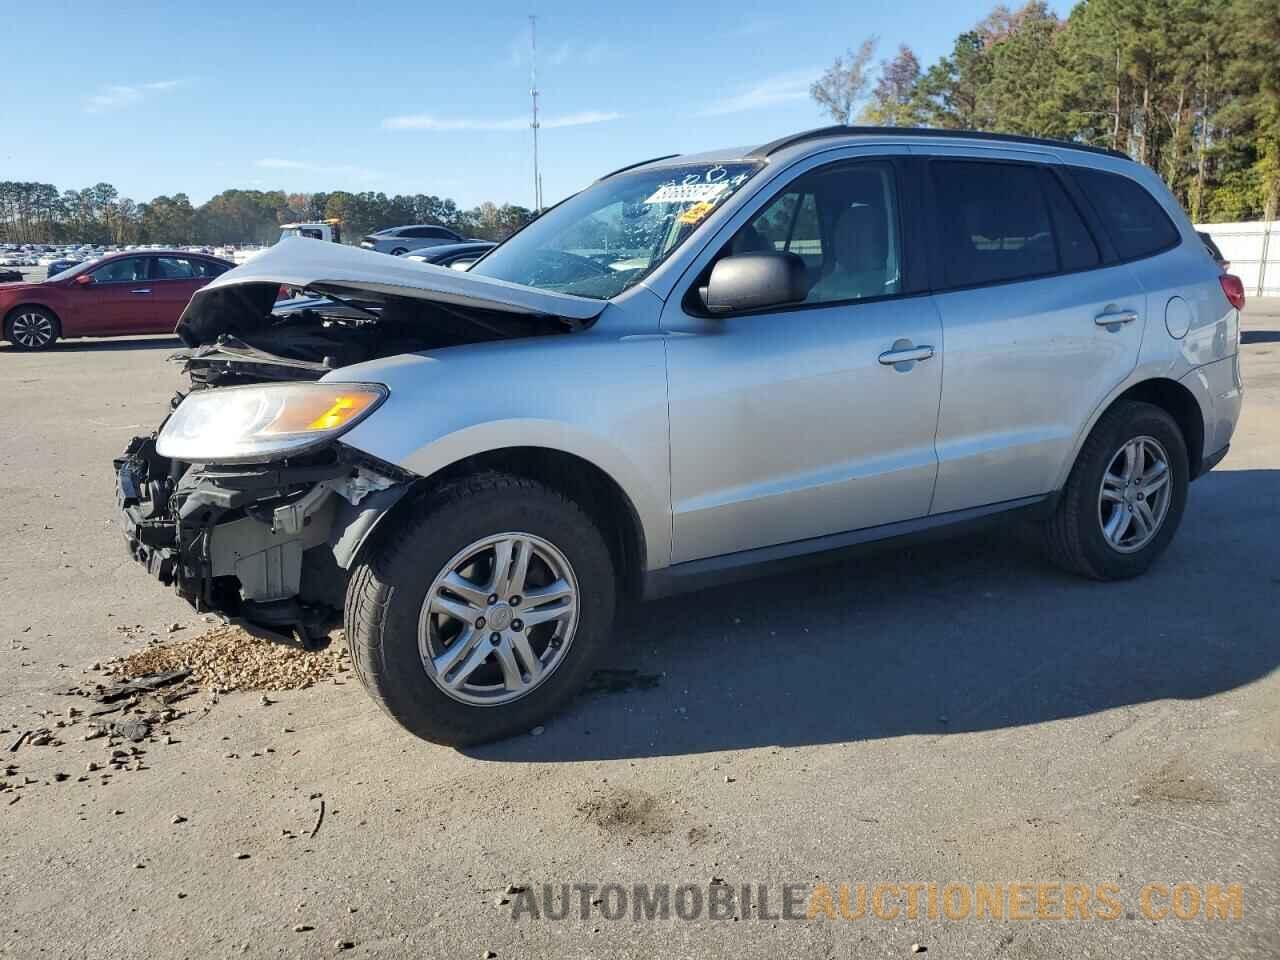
{"x":269,"y":544}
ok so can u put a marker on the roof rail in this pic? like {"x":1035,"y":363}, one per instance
{"x":823,"y":133}
{"x":632,"y":166}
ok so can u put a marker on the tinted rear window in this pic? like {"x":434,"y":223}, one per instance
{"x":1075,"y":243}
{"x":993,"y":221}
{"x":1136,"y":224}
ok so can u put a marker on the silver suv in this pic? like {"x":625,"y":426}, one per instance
{"x":698,"y":368}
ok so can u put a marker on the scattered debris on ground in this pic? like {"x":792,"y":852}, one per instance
{"x":230,"y":658}
{"x":144,"y":683}
{"x":133,"y":700}
{"x":319,"y":820}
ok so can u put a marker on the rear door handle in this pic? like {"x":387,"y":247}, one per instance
{"x":141,"y":290}
{"x":905,"y":354}
{"x":1119,"y":316}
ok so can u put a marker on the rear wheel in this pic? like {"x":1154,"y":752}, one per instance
{"x":484,"y":612}
{"x":31,"y":328}
{"x":1125,"y":496}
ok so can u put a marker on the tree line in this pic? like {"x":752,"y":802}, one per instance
{"x":1191,"y":88}
{"x":38,"y":213}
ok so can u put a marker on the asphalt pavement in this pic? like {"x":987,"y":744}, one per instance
{"x":959,"y":713}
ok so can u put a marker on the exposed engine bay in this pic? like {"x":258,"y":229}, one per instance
{"x":305,"y":337}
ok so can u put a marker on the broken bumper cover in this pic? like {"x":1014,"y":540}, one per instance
{"x":269,"y":544}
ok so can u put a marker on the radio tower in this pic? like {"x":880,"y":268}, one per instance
{"x":533,"y":92}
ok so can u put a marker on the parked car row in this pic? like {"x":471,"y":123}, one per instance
{"x":51,"y":255}
{"x":91,"y":292}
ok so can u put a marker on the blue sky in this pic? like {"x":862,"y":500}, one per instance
{"x":158,"y":97}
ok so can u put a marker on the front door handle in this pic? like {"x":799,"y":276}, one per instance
{"x":141,"y":290}
{"x":1119,"y":316}
{"x":904,"y":353}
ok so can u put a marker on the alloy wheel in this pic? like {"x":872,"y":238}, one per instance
{"x":32,"y":330}
{"x":498,"y":619}
{"x":1133,"y":499}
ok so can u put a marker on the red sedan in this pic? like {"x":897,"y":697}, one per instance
{"x":123,"y":293}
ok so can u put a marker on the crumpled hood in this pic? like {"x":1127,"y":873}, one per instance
{"x":240,"y":299}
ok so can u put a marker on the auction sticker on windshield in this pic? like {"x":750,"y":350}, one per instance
{"x":689,"y":193}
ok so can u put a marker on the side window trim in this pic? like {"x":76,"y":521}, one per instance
{"x":919,"y":251}
{"x":1091,"y":218}
{"x":907,"y":251}
{"x":791,"y":227}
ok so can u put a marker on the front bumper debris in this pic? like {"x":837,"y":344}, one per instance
{"x":268,"y":544}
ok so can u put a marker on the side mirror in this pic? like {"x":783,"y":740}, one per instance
{"x":750,"y":281}
{"x":83,"y":280}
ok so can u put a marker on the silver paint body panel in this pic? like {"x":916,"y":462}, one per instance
{"x":736,"y":434}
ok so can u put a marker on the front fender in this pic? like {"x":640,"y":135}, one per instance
{"x":599,"y":398}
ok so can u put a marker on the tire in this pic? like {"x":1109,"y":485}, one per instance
{"x":386,"y":622}
{"x":1076,"y":535}
{"x":399,"y":252}
{"x":32,"y":328}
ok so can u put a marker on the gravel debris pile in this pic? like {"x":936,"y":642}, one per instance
{"x":229,"y":658}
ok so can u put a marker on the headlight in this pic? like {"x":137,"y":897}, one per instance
{"x":264,"y":423}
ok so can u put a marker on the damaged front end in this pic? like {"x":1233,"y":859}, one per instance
{"x":266,"y":543}
{"x":245,"y":501}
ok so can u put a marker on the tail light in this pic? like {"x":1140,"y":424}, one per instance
{"x":1233,"y":287}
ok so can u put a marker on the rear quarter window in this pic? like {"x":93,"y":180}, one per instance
{"x":1135,"y":222}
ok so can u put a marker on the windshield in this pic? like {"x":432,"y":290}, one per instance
{"x":613,"y":234}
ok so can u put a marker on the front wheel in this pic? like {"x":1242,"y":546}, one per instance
{"x":31,"y":328}
{"x":484,"y":612}
{"x":1124,"y":499}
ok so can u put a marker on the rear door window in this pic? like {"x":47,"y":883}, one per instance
{"x":1076,"y":246}
{"x":173,"y":268}
{"x":1134,"y":221}
{"x":993,"y":222}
